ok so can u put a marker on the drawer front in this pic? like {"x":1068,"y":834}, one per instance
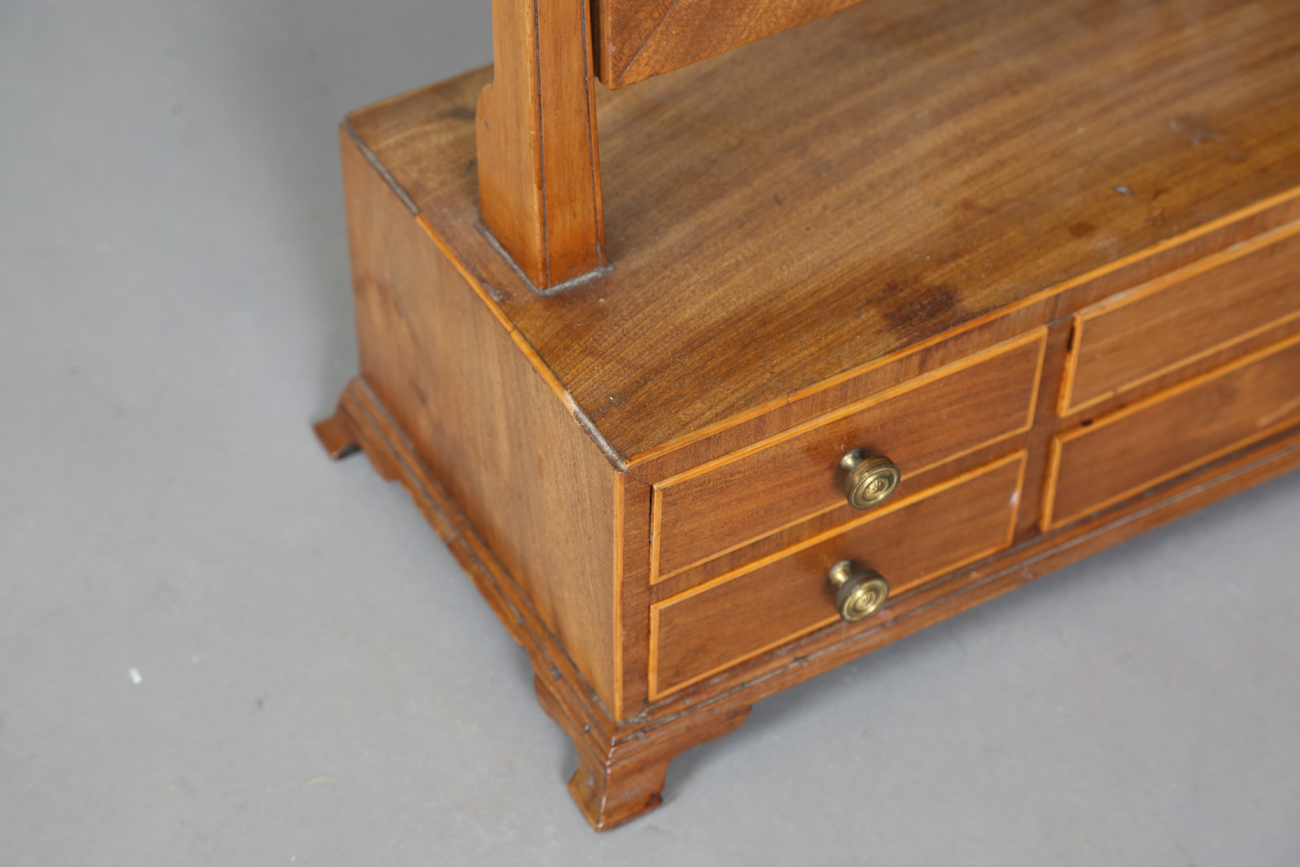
{"x":795,"y":475}
{"x":1156,"y":328}
{"x":768,"y":603}
{"x":1139,"y":446}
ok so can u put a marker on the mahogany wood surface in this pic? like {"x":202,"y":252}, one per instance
{"x":1191,"y":313}
{"x":909,"y":612}
{"x":501,"y":441}
{"x":881,"y":178}
{"x":774,"y":483}
{"x":538,"y":169}
{"x":818,"y":526}
{"x":627,"y":759}
{"x":1141,"y":445}
{"x":665,"y":728}
{"x":621,"y":766}
{"x":905,"y":228}
{"x":951,"y":346}
{"x":1037,"y":443}
{"x":640,"y":38}
{"x":335,"y":434}
{"x":620,"y":779}
{"x":773,"y":601}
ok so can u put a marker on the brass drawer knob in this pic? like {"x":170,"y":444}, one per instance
{"x":857,"y":594}
{"x":870,"y":480}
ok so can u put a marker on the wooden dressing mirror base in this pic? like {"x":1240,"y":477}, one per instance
{"x":905,"y":307}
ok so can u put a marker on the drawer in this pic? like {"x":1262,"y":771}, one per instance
{"x":790,"y":477}
{"x":1153,"y":329}
{"x":1142,"y":445}
{"x":772,"y":601}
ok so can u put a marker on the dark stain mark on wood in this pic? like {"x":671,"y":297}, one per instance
{"x":903,"y":307}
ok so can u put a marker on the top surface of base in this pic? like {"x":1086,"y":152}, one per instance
{"x":834,"y":194}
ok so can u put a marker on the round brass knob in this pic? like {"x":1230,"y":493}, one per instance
{"x":857,"y":594}
{"x":870,"y":481}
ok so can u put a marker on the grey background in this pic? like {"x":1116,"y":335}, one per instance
{"x":319,"y":682}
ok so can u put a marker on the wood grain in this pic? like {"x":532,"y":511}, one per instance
{"x":335,"y":433}
{"x":788,"y":478}
{"x":1208,"y":239}
{"x":621,"y":766}
{"x":651,"y":37}
{"x":1038,"y":442}
{"x":489,"y":425}
{"x":882,"y":177}
{"x":797,"y":229}
{"x":1148,"y":331}
{"x":618,"y":779}
{"x":773,"y":601}
{"x":634,"y":595}
{"x":907,"y":613}
{"x":538,"y":167}
{"x":665,"y":726}
{"x":825,"y":522}
{"x":853,"y":386}
{"x":1101,"y":463}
